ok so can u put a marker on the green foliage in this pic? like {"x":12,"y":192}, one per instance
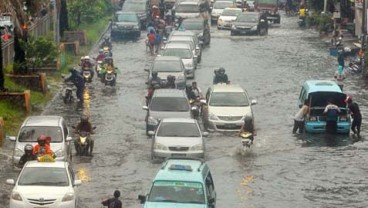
{"x":323,"y":22}
{"x":39,"y":51}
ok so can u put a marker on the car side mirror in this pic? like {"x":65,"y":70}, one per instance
{"x":11,"y":138}
{"x":145,"y":107}
{"x":211,"y":201}
{"x":151,"y":133}
{"x":68,"y":139}
{"x":253,"y":102}
{"x":10,"y":181}
{"x":205,"y":134}
{"x":77,"y":182}
{"x":142,"y":198}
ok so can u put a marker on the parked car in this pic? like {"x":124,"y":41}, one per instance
{"x":169,"y":65}
{"x":178,"y":137}
{"x":53,"y":126}
{"x":45,"y":184}
{"x":187,"y":9}
{"x":166,"y":103}
{"x":318,"y":92}
{"x":199,"y":27}
{"x":227,"y":17}
{"x":140,"y":7}
{"x":181,"y":182}
{"x":197,"y":51}
{"x":227,"y":106}
{"x":183,"y":51}
{"x":125,"y":23}
{"x":218,"y":8}
{"x":250,"y":23}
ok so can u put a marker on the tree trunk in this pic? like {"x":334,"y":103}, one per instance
{"x":19,"y":56}
{"x":63,"y":17}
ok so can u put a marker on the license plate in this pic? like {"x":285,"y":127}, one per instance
{"x":243,"y":32}
{"x":230,"y":125}
{"x":178,"y":155}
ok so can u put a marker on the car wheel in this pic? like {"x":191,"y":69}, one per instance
{"x":147,"y":130}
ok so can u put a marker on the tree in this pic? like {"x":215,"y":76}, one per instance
{"x":19,"y":66}
{"x":39,"y":52}
{"x":2,"y":87}
{"x":63,"y":22}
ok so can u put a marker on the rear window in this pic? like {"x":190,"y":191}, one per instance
{"x":173,"y":104}
{"x":187,"y":8}
{"x":31,"y":133}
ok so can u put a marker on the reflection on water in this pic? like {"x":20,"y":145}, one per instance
{"x":83,"y":174}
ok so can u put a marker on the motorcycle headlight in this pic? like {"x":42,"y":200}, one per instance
{"x":197,"y":147}
{"x":16,"y":196}
{"x":159,"y":146}
{"x":233,"y":27}
{"x":82,"y":140}
{"x":68,"y":197}
{"x":18,"y":152}
{"x":152,"y":121}
{"x":254,"y":28}
{"x":213,"y":117}
{"x":59,"y":153}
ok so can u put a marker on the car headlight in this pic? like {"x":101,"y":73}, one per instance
{"x":254,"y":28}
{"x":68,"y":197}
{"x":59,"y":153}
{"x":233,"y":27}
{"x":18,"y":152}
{"x":213,"y":117}
{"x":159,"y":146}
{"x":136,"y":27}
{"x":197,"y":147}
{"x":190,"y":64}
{"x":16,"y":196}
{"x":152,"y":121}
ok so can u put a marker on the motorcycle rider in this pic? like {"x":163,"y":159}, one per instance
{"x":107,"y":51}
{"x":78,"y":81}
{"x":43,"y":146}
{"x":108,"y":65}
{"x":248,"y":127}
{"x":85,"y":126}
{"x":171,"y":82}
{"x":27,"y":156}
{"x":86,"y":65}
{"x":155,"y":81}
{"x":196,"y":91}
{"x":220,"y":76}
{"x":101,"y":55}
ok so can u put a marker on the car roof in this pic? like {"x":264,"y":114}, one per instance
{"x":189,"y":3}
{"x":178,"y":120}
{"x":186,"y":38}
{"x":167,"y":58}
{"x":224,"y":1}
{"x":178,"y":45}
{"x":169,"y":93}
{"x":321,"y":86}
{"x":227,"y":88}
{"x":180,"y":32}
{"x":230,"y":8}
{"x":172,"y":170}
{"x":36,"y":164}
{"x":43,"y":121}
{"x":254,"y":13}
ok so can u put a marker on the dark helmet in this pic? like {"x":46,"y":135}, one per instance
{"x":154,"y":74}
{"x":221,"y":70}
{"x":100,"y":51}
{"x":84,"y":118}
{"x":42,"y":140}
{"x":116,"y":193}
{"x":28,"y":148}
{"x":170,"y":78}
{"x":151,"y":31}
{"x":248,"y":119}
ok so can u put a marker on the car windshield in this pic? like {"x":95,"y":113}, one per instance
{"x":168,"y":66}
{"x":31,"y":133}
{"x":222,"y":5}
{"x":179,"y":52}
{"x":228,"y":99}
{"x":174,"y":104}
{"x":44,"y":176}
{"x":187,"y":8}
{"x":192,"y":25}
{"x":247,"y":18}
{"x":127,"y":18}
{"x":231,"y":12}
{"x":134,"y":7}
{"x":177,"y":192}
{"x":174,"y":129}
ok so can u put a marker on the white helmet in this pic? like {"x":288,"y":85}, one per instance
{"x":86,"y":57}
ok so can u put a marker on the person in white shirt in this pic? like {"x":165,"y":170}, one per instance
{"x":299,"y":118}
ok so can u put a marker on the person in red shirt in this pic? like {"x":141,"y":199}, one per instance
{"x":43,"y":146}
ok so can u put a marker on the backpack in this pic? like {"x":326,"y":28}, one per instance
{"x":151,"y":38}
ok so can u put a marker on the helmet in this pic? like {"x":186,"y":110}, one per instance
{"x":100,"y":50}
{"x":221,"y":70}
{"x":86,"y":58}
{"x":152,"y":31}
{"x":248,"y":119}
{"x":42,"y":140}
{"x":349,"y":99}
{"x":84,"y":118}
{"x":154,"y":74}
{"x":116,"y":193}
{"x":28,"y":148}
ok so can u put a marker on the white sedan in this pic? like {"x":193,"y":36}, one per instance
{"x":227,"y":17}
{"x":45,"y":184}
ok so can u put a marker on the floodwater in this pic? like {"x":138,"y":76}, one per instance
{"x":280,"y":170}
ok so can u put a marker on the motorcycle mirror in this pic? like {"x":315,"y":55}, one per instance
{"x":253,"y":102}
{"x":77,"y":182}
{"x":94,"y":128}
{"x":205,"y":134}
{"x":145,"y":107}
{"x":146,"y":69}
{"x":10,"y":181}
{"x":203,"y":101}
{"x":142,"y":198}
{"x":11,"y":138}
{"x":151,"y":133}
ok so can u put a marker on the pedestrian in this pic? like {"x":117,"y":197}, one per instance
{"x":355,"y":115}
{"x":340,"y":76}
{"x":113,"y":202}
{"x":332,"y":113}
{"x":300,"y":117}
{"x":158,"y":40}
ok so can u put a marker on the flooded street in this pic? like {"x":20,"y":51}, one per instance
{"x":280,"y":170}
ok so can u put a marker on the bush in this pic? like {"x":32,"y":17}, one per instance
{"x":323,"y":22}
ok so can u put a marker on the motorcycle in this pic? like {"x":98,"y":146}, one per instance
{"x":246,"y":139}
{"x":110,"y":77}
{"x":98,"y":68}
{"x":196,"y":107}
{"x":68,"y":93}
{"x":83,"y":143}
{"x":87,"y":74}
{"x":106,"y":43}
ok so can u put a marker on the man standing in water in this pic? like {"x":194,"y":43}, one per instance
{"x":332,"y":111}
{"x":355,"y":114}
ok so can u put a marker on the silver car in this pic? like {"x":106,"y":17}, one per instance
{"x":187,"y":9}
{"x":178,"y":137}
{"x":53,"y":126}
{"x":197,"y":52}
{"x":169,"y":65}
{"x":183,"y":51}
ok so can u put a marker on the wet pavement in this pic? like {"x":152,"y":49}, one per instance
{"x":280,"y":170}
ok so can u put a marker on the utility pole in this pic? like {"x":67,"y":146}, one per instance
{"x":325,"y":7}
{"x":363,"y":37}
{"x":2,"y":87}
{"x":56,"y":25}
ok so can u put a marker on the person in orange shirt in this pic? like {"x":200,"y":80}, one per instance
{"x":42,"y":147}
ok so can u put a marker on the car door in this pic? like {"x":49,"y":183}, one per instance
{"x":67,"y":148}
{"x":210,"y":190}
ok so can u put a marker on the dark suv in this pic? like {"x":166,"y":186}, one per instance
{"x":141,"y":7}
{"x":125,"y":23}
{"x":200,"y":27}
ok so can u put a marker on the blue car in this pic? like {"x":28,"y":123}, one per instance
{"x":318,"y":92}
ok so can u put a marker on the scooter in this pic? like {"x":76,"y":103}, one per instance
{"x":87,"y":74}
{"x":196,"y":107}
{"x":68,"y":93}
{"x":98,"y":68}
{"x":82,"y":143}
{"x":246,"y":139}
{"x":110,"y":77}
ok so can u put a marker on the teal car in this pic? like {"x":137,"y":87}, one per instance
{"x":181,"y":183}
{"x":318,"y":92}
